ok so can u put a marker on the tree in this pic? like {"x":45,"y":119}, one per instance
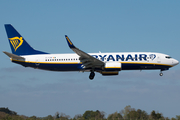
{"x":49,"y":117}
{"x":178,"y":117}
{"x":99,"y":115}
{"x":33,"y":117}
{"x":158,"y":115}
{"x":63,"y":116}
{"x":126,"y":110}
{"x":133,"y":114}
{"x":57,"y":115}
{"x":114,"y":116}
{"x":142,"y":114}
{"x":173,"y":118}
{"x":87,"y":114}
{"x":93,"y":114}
{"x":78,"y":116}
{"x":155,"y":115}
{"x":6,"y":110}
{"x":102,"y":114}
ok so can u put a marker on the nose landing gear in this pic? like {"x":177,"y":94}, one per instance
{"x":161,"y":74}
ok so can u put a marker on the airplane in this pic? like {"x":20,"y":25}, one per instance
{"x":103,"y":63}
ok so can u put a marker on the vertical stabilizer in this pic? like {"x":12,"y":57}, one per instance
{"x":18,"y":44}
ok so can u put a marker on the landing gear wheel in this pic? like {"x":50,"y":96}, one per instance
{"x":91,"y":76}
{"x":161,"y":74}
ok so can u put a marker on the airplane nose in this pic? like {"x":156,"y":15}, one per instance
{"x":175,"y":62}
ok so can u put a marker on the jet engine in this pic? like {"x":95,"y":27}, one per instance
{"x":111,"y":68}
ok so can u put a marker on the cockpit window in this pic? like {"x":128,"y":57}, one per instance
{"x":168,"y":57}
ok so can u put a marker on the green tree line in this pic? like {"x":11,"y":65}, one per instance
{"x":127,"y":113}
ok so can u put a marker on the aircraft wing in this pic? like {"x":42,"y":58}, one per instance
{"x":87,"y":60}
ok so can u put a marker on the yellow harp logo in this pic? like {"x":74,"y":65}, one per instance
{"x":16,"y":42}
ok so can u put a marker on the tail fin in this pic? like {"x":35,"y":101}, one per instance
{"x":18,"y":44}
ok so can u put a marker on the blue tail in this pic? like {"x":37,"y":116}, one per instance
{"x":18,"y":44}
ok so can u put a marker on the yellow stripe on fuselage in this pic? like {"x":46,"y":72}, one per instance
{"x":112,"y":67}
{"x":47,"y":62}
{"x":81,"y":63}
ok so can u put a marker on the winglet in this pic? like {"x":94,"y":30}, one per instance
{"x":69,"y":42}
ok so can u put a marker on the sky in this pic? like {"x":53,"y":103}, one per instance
{"x":93,"y":26}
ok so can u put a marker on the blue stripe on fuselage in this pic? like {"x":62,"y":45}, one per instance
{"x":78,"y":67}
{"x":51,"y":66}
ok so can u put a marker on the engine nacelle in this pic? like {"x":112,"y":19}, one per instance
{"x":111,"y":68}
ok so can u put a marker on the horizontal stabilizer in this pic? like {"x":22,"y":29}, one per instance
{"x":13,"y":56}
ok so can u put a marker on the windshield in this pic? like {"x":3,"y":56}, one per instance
{"x":168,"y":57}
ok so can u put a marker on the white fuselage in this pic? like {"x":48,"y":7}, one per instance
{"x":71,"y":62}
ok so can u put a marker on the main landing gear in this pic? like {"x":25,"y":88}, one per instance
{"x":91,"y":76}
{"x":161,"y":74}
